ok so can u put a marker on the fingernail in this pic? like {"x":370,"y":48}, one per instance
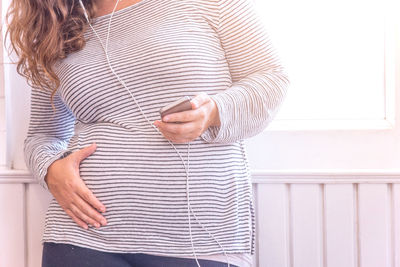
{"x":194,"y":103}
{"x":103,"y":222}
{"x":97,"y":225}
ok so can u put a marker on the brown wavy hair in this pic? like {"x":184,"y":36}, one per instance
{"x":42,"y":32}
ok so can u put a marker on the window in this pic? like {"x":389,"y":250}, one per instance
{"x":334,"y":52}
{"x":342,"y":109}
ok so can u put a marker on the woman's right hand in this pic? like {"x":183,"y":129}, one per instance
{"x":67,"y":187}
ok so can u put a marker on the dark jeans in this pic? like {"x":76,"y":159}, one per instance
{"x":66,"y":255}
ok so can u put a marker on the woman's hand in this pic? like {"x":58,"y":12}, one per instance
{"x":193,"y":122}
{"x":67,"y":187}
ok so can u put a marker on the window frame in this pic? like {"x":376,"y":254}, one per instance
{"x":390,"y":91}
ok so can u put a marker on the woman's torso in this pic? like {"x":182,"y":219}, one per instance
{"x":162,"y":50}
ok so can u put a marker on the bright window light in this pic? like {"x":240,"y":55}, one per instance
{"x":334,"y":54}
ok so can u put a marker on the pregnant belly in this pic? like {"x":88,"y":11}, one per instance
{"x":141,"y":179}
{"x":142,"y":166}
{"x":127,"y":155}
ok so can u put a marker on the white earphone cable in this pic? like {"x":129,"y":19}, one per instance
{"x":186,"y":168}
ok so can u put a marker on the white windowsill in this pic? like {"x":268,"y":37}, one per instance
{"x":330,"y":125}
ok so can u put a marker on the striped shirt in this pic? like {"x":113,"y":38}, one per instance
{"x":162,"y":50}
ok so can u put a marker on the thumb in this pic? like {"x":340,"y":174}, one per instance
{"x":86,"y":151}
{"x":199,"y":100}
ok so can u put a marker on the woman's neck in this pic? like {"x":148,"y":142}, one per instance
{"x":105,"y":7}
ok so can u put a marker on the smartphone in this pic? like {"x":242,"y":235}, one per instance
{"x":179,"y":105}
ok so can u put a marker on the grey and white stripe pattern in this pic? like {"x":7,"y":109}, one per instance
{"x":162,"y":49}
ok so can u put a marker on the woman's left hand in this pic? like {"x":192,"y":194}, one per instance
{"x":192,"y":123}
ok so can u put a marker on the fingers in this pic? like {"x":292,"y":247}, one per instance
{"x":82,"y":211}
{"x":185,"y":116}
{"x":187,"y":130}
{"x":199,"y":100}
{"x":88,"y":209}
{"x":76,"y":219}
{"x":180,"y":133}
{"x":174,"y":128}
{"x":189,"y":115}
{"x":86,"y":201}
{"x":92,"y":200}
{"x":85,"y":152}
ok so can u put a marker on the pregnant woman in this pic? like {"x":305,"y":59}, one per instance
{"x":131,"y":188}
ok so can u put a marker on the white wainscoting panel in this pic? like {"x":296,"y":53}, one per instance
{"x":37,"y":202}
{"x":306,"y":224}
{"x":374,"y":213}
{"x":12,"y":242}
{"x":315,"y":220}
{"x":340,"y":230}
{"x":273,"y":225}
{"x":395,"y":225}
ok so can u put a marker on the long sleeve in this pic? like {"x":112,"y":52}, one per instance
{"x":48,"y":133}
{"x":259,"y":82}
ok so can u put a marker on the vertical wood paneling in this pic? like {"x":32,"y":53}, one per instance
{"x":298,"y":225}
{"x":374,"y":225}
{"x":339,"y":225}
{"x":12,"y":249}
{"x":37,"y":202}
{"x":273,"y":220}
{"x":255,"y":201}
{"x":306,"y":215}
{"x":396,"y":225}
